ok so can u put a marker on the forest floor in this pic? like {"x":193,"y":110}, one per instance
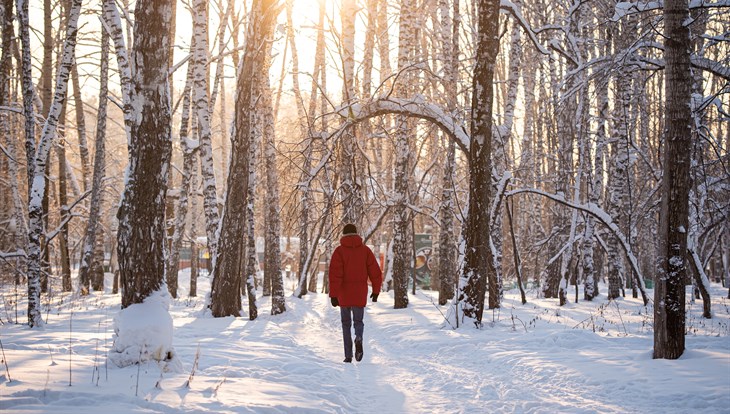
{"x":589,"y":357}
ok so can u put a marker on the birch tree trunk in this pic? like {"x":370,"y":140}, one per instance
{"x":87,"y":254}
{"x":478,"y":254}
{"x":46,"y":95}
{"x":35,"y":205}
{"x":142,"y":227}
{"x":251,"y":263}
{"x":402,"y":252}
{"x":65,"y":216}
{"x":447,"y":243}
{"x":202,"y":115}
{"x":669,"y":291}
{"x":28,"y":91}
{"x":272,"y":253}
{"x":189,"y":148}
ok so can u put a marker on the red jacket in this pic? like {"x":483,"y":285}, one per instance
{"x":351,"y":265}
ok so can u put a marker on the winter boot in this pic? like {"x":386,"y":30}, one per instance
{"x":348,"y":360}
{"x":358,"y":349}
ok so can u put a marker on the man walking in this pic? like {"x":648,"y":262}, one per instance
{"x":352,"y":264}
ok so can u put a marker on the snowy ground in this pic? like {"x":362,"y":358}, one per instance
{"x":534,"y":358}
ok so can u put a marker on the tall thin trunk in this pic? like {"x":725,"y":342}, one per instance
{"x":87,"y":254}
{"x":28,"y":91}
{"x":304,"y":192}
{"x":272,"y":253}
{"x":46,"y":92}
{"x":194,"y":247}
{"x":13,"y":162}
{"x":81,"y":129}
{"x":65,"y":216}
{"x":349,"y":182}
{"x":401,"y":250}
{"x":447,"y":242}
{"x":35,"y":206}
{"x":189,"y":158}
{"x":669,"y":291}
{"x":202,"y":115}
{"x":252,"y":264}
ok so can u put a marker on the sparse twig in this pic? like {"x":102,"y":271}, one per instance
{"x":217,"y":386}
{"x":442,"y":314}
{"x":195,"y":366}
{"x":621,"y":318}
{"x":513,"y":322}
{"x":139,"y":365}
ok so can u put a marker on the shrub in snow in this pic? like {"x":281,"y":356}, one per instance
{"x":143,"y":332}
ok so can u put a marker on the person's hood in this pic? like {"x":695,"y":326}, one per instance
{"x":353,"y":240}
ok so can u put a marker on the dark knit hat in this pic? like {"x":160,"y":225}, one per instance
{"x":349,"y":229}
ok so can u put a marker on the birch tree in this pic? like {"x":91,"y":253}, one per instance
{"x":35,"y":205}
{"x":141,"y":214}
{"x":478,"y":254}
{"x":202,"y":115}
{"x":87,"y":254}
{"x":669,"y":291}
{"x":403,"y":132}
{"x":447,"y":243}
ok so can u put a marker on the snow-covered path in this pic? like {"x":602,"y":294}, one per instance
{"x":414,"y":362}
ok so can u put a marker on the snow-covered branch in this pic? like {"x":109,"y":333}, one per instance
{"x":516,"y":12}
{"x":416,"y":107}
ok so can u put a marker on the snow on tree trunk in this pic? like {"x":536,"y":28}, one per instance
{"x":87,"y":253}
{"x":225,"y":297}
{"x":669,"y":291}
{"x":477,"y":253}
{"x":202,"y":115}
{"x":35,"y":205}
{"x":144,"y":332}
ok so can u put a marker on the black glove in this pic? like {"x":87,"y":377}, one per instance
{"x":335,"y":302}
{"x":374,"y":297}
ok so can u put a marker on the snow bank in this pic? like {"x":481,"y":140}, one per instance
{"x":143,"y":332}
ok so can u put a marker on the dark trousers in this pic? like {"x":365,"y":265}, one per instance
{"x":348,"y":315}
